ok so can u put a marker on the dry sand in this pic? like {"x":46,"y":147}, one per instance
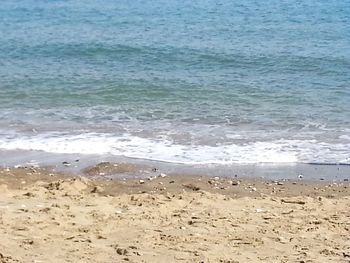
{"x":47,"y":217}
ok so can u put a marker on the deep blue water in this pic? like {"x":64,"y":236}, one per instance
{"x":181,"y":81}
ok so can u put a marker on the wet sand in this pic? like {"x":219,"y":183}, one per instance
{"x":51,"y":217}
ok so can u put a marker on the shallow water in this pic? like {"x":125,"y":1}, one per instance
{"x":187,"y":81}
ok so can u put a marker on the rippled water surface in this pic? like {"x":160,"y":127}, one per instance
{"x":178,"y":81}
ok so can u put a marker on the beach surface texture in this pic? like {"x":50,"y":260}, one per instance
{"x":50,"y":217}
{"x":174,"y":131}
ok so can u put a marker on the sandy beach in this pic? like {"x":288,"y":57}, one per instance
{"x":51,"y":217}
{"x":174,"y":131}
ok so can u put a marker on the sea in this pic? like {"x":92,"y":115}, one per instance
{"x":192,"y":82}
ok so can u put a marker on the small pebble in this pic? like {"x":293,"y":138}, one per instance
{"x":234,"y":182}
{"x":282,"y":240}
{"x":121,"y":251}
{"x":67,"y":164}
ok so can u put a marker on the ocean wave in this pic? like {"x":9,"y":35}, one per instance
{"x":161,"y":149}
{"x":94,"y":52}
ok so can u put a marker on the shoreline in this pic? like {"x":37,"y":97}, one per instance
{"x":133,"y":179}
{"x":76,"y":163}
{"x":58,"y":217}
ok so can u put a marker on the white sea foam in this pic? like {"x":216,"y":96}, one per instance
{"x":279,"y":151}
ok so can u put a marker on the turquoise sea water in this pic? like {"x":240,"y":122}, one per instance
{"x":178,"y":81}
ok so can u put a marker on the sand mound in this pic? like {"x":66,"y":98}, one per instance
{"x":73,"y":186}
{"x":107,"y":168}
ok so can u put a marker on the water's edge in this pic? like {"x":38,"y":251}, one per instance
{"x":269,"y":171}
